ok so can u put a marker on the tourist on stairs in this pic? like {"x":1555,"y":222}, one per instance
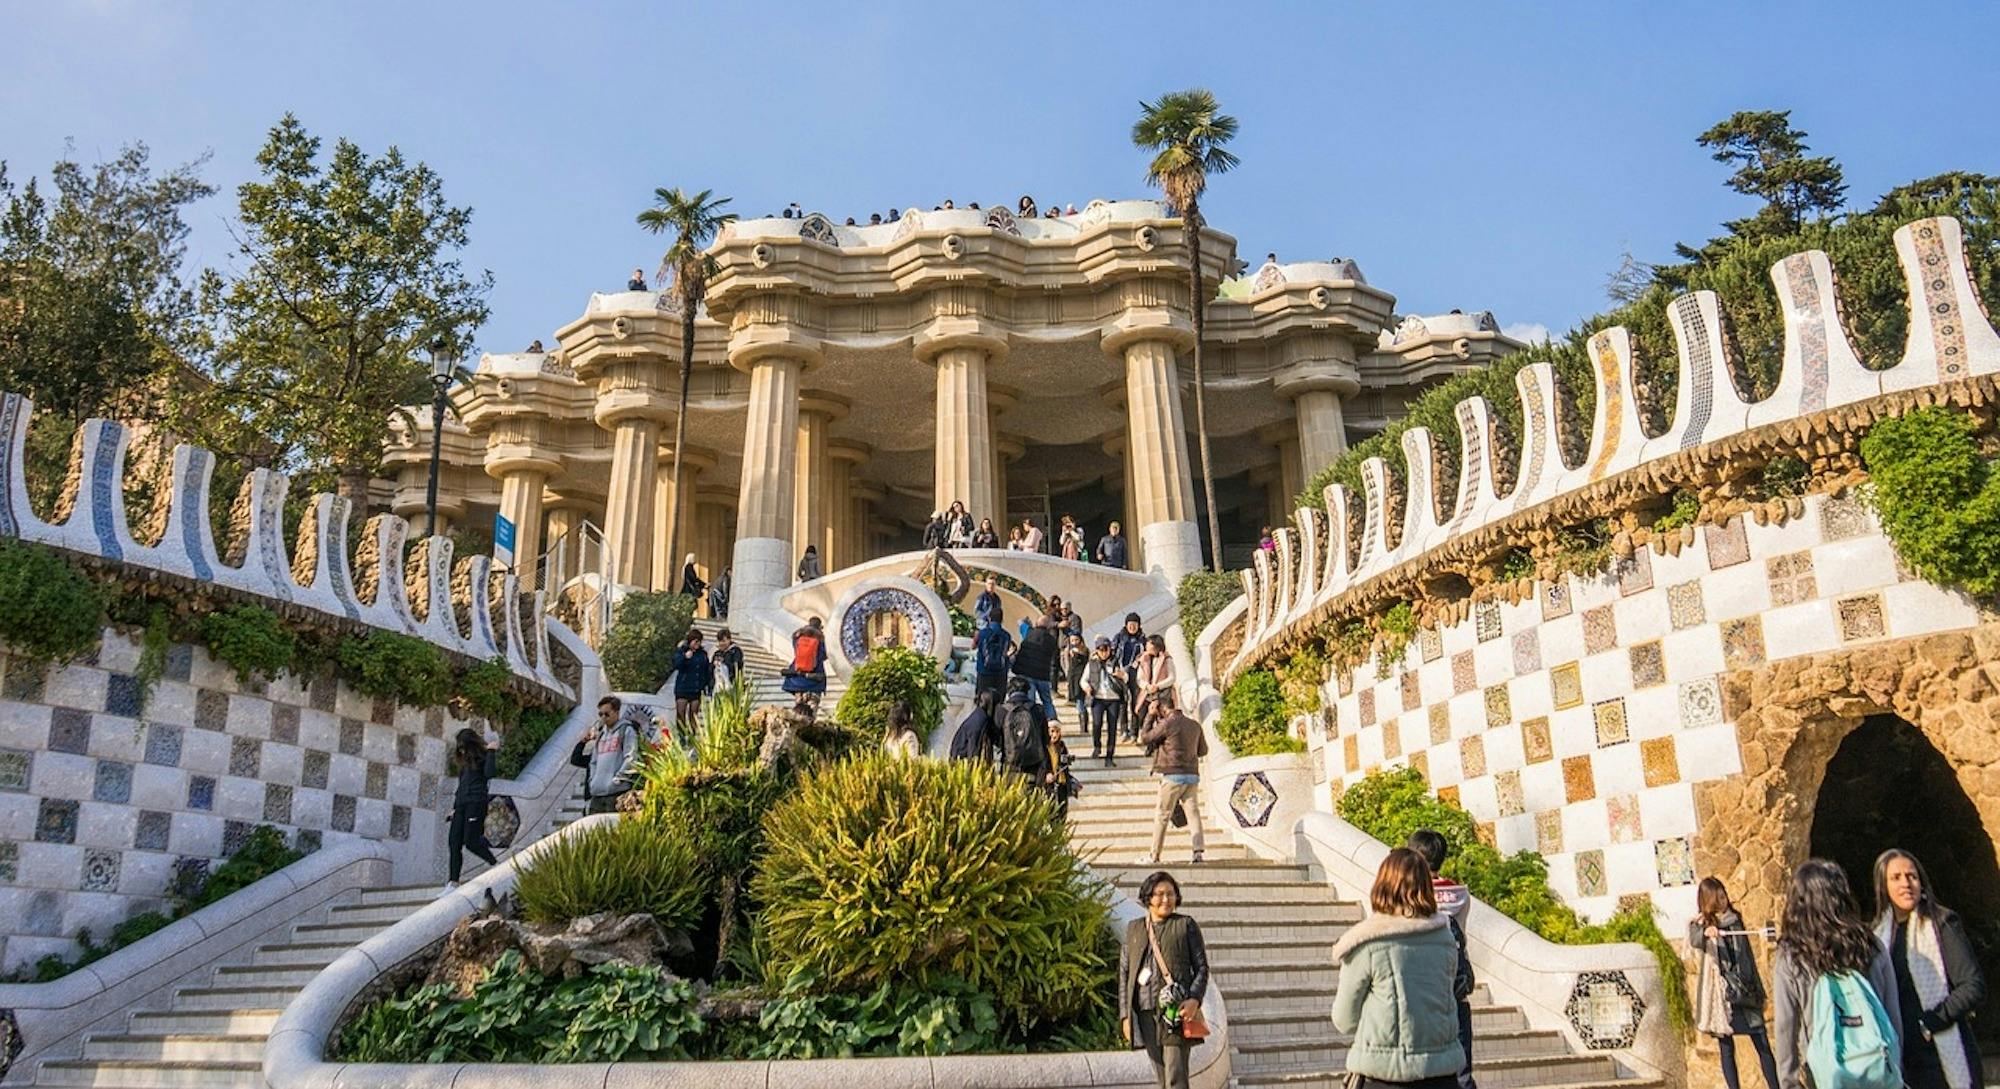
{"x":691,"y":583}
{"x":1036,"y":661}
{"x":694,"y":677}
{"x":978,"y":737}
{"x":1162,"y":978}
{"x":985,"y":536}
{"x":1126,"y":646}
{"x":1075,"y":658}
{"x":805,"y":677}
{"x":809,"y":564}
{"x":1058,"y":779}
{"x":1111,"y":549}
{"x":474,"y":762}
{"x":1105,"y":683}
{"x":726,"y":660}
{"x":1024,"y":733}
{"x":991,"y":649}
{"x":1177,"y":761}
{"x":1729,"y":994}
{"x":987,"y":604}
{"x":718,"y":596}
{"x":606,"y":754}
{"x":1396,"y":969}
{"x":1938,"y":981}
{"x":1823,"y":943}
{"x":1454,"y":903}
{"x":1154,"y":674}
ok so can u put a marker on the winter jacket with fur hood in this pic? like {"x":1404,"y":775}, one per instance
{"x":1396,"y":998}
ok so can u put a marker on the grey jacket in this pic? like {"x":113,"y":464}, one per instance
{"x":1791,"y":995}
{"x":1396,"y":997}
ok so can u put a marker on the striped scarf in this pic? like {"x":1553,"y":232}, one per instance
{"x":1926,"y":963}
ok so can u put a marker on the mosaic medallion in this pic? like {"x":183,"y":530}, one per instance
{"x":1604,"y":1010}
{"x":889,"y":599}
{"x":1252,"y":800}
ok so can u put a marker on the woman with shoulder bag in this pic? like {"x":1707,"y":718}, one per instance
{"x":1938,"y":981}
{"x":1162,"y":976}
{"x":1729,"y":997}
{"x":1397,"y":997}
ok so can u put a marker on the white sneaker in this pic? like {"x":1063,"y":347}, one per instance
{"x":449,"y":887}
{"x":1146,"y":860}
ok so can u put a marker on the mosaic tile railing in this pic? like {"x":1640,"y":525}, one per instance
{"x":1575,"y":720}
{"x":467,"y":608}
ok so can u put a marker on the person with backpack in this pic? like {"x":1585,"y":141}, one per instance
{"x":805,"y":677}
{"x":978,"y":737}
{"x":1024,"y":733}
{"x":991,"y":649}
{"x":1104,"y":683}
{"x":606,"y":753}
{"x":1729,"y":994}
{"x":1831,"y":987}
{"x":1395,"y":996}
{"x":1177,"y":761}
{"x":1455,"y":904}
{"x":1036,"y":663}
{"x":1938,"y":982}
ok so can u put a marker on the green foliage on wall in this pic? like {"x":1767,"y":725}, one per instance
{"x":399,"y":667}
{"x":48,"y":609}
{"x":638,"y":651}
{"x":520,"y":743}
{"x":891,"y":674}
{"x":250,"y":639}
{"x":1203,"y":594}
{"x":1938,"y":496}
{"x":487,"y":690}
{"x":1255,"y":716}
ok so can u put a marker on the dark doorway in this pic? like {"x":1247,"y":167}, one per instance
{"x":1887,"y":786}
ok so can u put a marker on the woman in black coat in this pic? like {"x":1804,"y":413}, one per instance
{"x":1729,"y":999}
{"x":1938,"y":982}
{"x":1141,"y":977}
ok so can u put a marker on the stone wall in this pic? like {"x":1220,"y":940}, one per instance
{"x":105,"y":799}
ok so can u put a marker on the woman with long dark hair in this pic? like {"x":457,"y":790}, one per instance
{"x":1821,"y":933}
{"x":1938,"y":981}
{"x":1729,"y":1000}
{"x":474,"y":760}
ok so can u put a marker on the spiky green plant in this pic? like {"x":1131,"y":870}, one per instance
{"x":628,"y":867}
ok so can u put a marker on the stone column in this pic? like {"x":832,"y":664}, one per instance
{"x":1006,"y":450}
{"x":711,"y":530}
{"x":861,"y":528}
{"x":564,"y":515}
{"x":843,"y":457}
{"x":521,"y":484}
{"x":764,"y":509}
{"x":811,"y":514}
{"x":629,"y":507}
{"x":669,"y":509}
{"x":1317,"y":385}
{"x":963,"y":465}
{"x":1163,"y":483}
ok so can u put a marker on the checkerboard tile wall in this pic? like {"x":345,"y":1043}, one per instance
{"x":1577,"y":722}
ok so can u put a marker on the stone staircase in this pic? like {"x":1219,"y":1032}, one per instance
{"x":212,"y":1029}
{"x":1270,"y":930}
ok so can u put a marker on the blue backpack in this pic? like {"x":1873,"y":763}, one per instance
{"x":1852,"y":1045}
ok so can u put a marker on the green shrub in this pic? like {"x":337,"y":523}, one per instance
{"x":891,"y":674}
{"x":263,"y":853}
{"x":864,"y":880}
{"x":1785,"y":476}
{"x":1518,"y":563}
{"x":399,"y":667}
{"x":48,"y":609}
{"x":1254,"y":719}
{"x":1399,"y":626}
{"x":250,"y":639}
{"x":638,"y":651}
{"x":1389,"y":805}
{"x":949,"y":1017}
{"x":629,"y":866}
{"x":521,"y":741}
{"x":1203,"y":594}
{"x":488,"y":690}
{"x":962,"y":625}
{"x":1938,"y":496}
{"x":1686,"y":508}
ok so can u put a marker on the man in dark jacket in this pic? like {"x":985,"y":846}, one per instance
{"x":988,"y":601}
{"x":1036,"y":661}
{"x":990,"y":651}
{"x":1111,"y":549}
{"x":1126,"y":646}
{"x":978,"y":737}
{"x":1177,"y":762}
{"x":1024,"y":734}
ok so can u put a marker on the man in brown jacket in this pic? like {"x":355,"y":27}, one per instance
{"x":1177,"y":761}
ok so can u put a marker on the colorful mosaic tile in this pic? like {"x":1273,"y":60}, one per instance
{"x":26,"y":681}
{"x":17,"y":769}
{"x":55,"y":821}
{"x":1701,"y":703}
{"x":1791,"y":578}
{"x":1350,"y":750}
{"x":1440,"y":716}
{"x":1657,"y":757}
{"x":351,"y":731}
{"x":1499,"y":709}
{"x":313,"y":773}
{"x":1579,"y":781}
{"x":235,"y":834}
{"x":152,"y":831}
{"x":376,"y":783}
{"x":284,"y":724}
{"x":1329,"y":721}
{"x":1527,"y":652}
{"x":1635,"y":572}
{"x":1862,"y":618}
{"x":406,"y":749}
{"x":1649,"y":665}
{"x":1609,"y":716}
{"x":1840,"y":519}
{"x":1743,"y":642}
{"x":122,"y":695}
{"x":1449,"y":796}
{"x":211,"y":710}
{"x":1549,"y":832}
{"x":343,"y":812}
{"x":1674,"y":859}
{"x":1392,"y":740}
{"x":1621,"y":813}
{"x":1430,"y":644}
{"x":163,"y":745}
{"x":1684,"y":605}
{"x":1471,"y":757}
{"x":10,"y":861}
{"x":1507,"y":789}
{"x":1252,"y":799}
{"x":113,"y":782}
{"x":1421,"y":761}
{"x":1344,"y":679}
{"x":1728,"y":544}
{"x":1464,"y":673}
{"x":201,"y":792}
{"x":1566,"y":686}
{"x":309,"y":840}
{"x":100,"y":871}
{"x":399,"y":821}
{"x":1413,"y":693}
{"x":1535,"y":740}
{"x":1600,"y":630}
{"x":1590,"y":873}
{"x":1486,"y":620}
{"x":246,"y":757}
{"x":1555,"y":599}
{"x":277,"y":803}
{"x":1318,"y":765}
{"x":382,"y":712}
{"x":180,"y":662}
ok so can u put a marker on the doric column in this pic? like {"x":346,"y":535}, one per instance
{"x":714,"y":507}
{"x":670,"y":508}
{"x":521,"y":487}
{"x":1163,"y":483}
{"x":842,"y":457}
{"x":1007,"y":449}
{"x":764,"y":561}
{"x":861,"y":526}
{"x":563,"y":541}
{"x":811,"y":513}
{"x":625,"y":354}
{"x":1317,"y":383}
{"x":961,"y":350}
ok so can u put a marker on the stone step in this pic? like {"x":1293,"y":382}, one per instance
{"x":234,"y":997}
{"x":178,"y":1047}
{"x":1556,"y":1072}
{"x":1318,"y":1045}
{"x":265,"y":975}
{"x":345,"y":934}
{"x":399,"y":895}
{"x":1195,"y":898}
{"x":1281,"y":933}
{"x":1126,"y":848}
{"x":1313,"y":973}
{"x":301,"y":954}
{"x":1252,"y":1022}
{"x":213,"y":1022}
{"x":1214,"y":873}
{"x":1213,"y":919}
{"x":142,"y":1074}
{"x":379,"y":915}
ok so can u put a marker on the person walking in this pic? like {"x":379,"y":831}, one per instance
{"x":1162,"y":979}
{"x":474,"y":760}
{"x":694,"y":677}
{"x":1024,"y":735}
{"x":1177,"y":761}
{"x":1821,"y":934}
{"x":1938,"y":982}
{"x":1036,"y":661}
{"x":985,"y":536}
{"x":805,"y":677}
{"x":1396,"y":971}
{"x":1126,"y":646}
{"x":991,"y":649}
{"x":606,"y":753}
{"x":899,"y":735}
{"x":978,"y":737}
{"x":1153,"y":673}
{"x":809,"y":564}
{"x":1105,"y":683}
{"x":1111,"y":548}
{"x":1057,"y":782}
{"x":1729,"y":993}
{"x":691,"y":581}
{"x":1454,"y":902}
{"x":987,"y":604}
{"x":718,"y":596}
{"x":1071,"y":539}
{"x":1075,"y":657}
{"x":726,"y":660}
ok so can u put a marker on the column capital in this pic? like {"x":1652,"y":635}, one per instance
{"x":848,"y":450}
{"x":502,"y":462}
{"x":699,"y":458}
{"x":974,"y":333}
{"x":1000,"y":399}
{"x":1278,"y":433}
{"x":1010,"y":447}
{"x":616,"y":406}
{"x":758,"y":344}
{"x":1309,"y":376}
{"x":829,"y":406}
{"x":1151,"y":323}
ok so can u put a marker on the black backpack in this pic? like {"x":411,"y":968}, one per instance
{"x":1022,"y":740}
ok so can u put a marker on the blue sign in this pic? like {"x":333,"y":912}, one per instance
{"x":503,"y":540}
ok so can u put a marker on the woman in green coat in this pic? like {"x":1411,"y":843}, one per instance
{"x":1397,"y":967}
{"x":1163,"y":935}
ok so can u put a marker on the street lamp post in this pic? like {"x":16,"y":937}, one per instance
{"x":443,"y":366}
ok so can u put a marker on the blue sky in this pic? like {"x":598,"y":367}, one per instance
{"x":1479,"y":156}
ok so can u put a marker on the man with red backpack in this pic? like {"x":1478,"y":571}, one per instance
{"x":805,"y":677}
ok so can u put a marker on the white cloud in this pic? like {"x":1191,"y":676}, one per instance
{"x":1528,"y":332}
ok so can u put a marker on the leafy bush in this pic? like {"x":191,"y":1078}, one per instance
{"x":1203,"y":594}
{"x":1518,"y":563}
{"x":891,"y":674}
{"x":1938,"y":496}
{"x":521,"y":741}
{"x":947,"y":1018}
{"x":628,"y":866}
{"x":250,"y":639}
{"x":263,"y":853}
{"x":1390,"y":805}
{"x":1785,"y":476}
{"x":1686,"y":508}
{"x":48,"y":609}
{"x":638,"y":651}
{"x":962,"y":624}
{"x":487,"y":688}
{"x":399,"y":667}
{"x":863,"y":882}
{"x":1254,"y":716}
{"x":1399,"y":626}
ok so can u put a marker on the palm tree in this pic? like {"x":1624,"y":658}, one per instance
{"x":694,"y":218}
{"x":1185,"y":131}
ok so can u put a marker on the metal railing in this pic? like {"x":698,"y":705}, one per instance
{"x":576,"y":567}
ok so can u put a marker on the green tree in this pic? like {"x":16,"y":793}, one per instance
{"x":351,"y":271}
{"x":1772,"y":165}
{"x":1186,"y":131}
{"x":694,"y":219}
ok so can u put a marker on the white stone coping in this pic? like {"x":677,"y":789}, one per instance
{"x":295,"y":1056}
{"x":1515,"y":963}
{"x":51,"y":1013}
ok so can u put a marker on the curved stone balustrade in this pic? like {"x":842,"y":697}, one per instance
{"x":1349,"y":547}
{"x":451,"y":605}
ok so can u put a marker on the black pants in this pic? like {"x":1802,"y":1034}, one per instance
{"x":1465,"y":1041}
{"x":1104,"y":718}
{"x":468,"y":833}
{"x":1758,"y":1040}
{"x":1169,"y":1053}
